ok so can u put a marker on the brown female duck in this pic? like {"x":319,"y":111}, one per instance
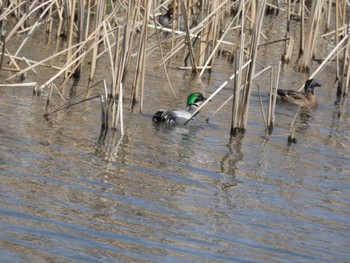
{"x":304,"y":99}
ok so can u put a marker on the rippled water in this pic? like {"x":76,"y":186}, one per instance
{"x":174,"y":195}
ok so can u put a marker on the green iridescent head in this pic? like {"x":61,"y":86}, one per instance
{"x":194,"y":98}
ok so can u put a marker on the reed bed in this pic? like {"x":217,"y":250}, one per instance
{"x":126,"y":32}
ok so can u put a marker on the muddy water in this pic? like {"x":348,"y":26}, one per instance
{"x":187,"y":194}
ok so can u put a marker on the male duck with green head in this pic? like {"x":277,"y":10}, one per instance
{"x":172,"y":117}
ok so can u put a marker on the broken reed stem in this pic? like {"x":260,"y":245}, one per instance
{"x":236,"y":92}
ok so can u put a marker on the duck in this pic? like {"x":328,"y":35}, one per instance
{"x":172,"y":117}
{"x":165,"y":19}
{"x":307,"y":98}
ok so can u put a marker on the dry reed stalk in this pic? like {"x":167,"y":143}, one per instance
{"x":48,"y":98}
{"x":203,"y":38}
{"x":120,"y":108}
{"x":329,"y":15}
{"x":312,"y":29}
{"x":236,"y":93}
{"x":98,"y":21}
{"x":337,"y":6}
{"x":115,"y":63}
{"x":253,"y":16}
{"x":27,"y":84}
{"x":273,"y":99}
{"x":141,"y":59}
{"x":188,"y":38}
{"x":271,"y":94}
{"x":87,"y":24}
{"x":123,"y":61}
{"x":81,"y":34}
{"x":343,"y":84}
{"x":287,"y":46}
{"x":12,"y":58}
{"x":50,"y":20}
{"x":302,"y":28}
{"x":71,"y":6}
{"x":253,"y":57}
{"x":340,"y":30}
{"x":60,"y":21}
{"x":236,"y":105}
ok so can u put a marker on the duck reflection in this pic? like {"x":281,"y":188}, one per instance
{"x":304,"y":119}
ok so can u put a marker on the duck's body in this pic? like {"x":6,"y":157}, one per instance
{"x":165,"y":20}
{"x":307,"y":98}
{"x":172,"y":117}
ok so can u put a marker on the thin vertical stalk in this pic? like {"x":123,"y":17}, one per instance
{"x":272,"y":104}
{"x":312,"y":29}
{"x":71,"y":16}
{"x":99,"y":16}
{"x":302,"y":27}
{"x":253,"y":55}
{"x":189,"y":42}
